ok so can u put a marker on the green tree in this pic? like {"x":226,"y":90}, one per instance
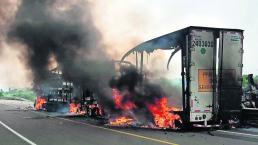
{"x":245,"y":81}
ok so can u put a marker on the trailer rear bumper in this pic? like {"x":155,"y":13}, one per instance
{"x":207,"y":126}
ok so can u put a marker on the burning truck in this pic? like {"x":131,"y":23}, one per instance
{"x":57,"y":95}
{"x":211,"y":77}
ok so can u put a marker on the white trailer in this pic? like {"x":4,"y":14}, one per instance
{"x":211,"y":71}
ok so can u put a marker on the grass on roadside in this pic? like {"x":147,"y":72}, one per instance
{"x":18,"y":94}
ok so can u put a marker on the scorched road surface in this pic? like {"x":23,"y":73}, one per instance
{"x":19,"y":126}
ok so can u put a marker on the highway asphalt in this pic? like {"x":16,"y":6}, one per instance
{"x":20,"y":125}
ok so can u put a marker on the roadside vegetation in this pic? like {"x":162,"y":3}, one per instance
{"x":18,"y":94}
{"x":245,"y":80}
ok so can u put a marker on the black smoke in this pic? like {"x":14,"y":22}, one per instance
{"x":67,"y":31}
{"x":135,"y":87}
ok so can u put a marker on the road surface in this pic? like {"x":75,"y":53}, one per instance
{"x":20,"y":125}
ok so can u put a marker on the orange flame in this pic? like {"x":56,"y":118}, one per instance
{"x":75,"y":108}
{"x":118,"y":101}
{"x":122,"y":121}
{"x":162,"y":115}
{"x":39,"y":102}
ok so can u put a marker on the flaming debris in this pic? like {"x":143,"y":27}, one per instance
{"x":140,"y":103}
{"x":40,"y":101}
{"x":162,"y":113}
{"x":118,"y":98}
{"x":122,"y":121}
{"x":75,"y":108}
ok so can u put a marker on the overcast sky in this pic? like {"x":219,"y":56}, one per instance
{"x":157,"y":17}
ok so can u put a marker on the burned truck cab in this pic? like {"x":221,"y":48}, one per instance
{"x":211,"y":71}
{"x":59,"y":95}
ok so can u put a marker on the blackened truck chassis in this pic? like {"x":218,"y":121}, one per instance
{"x":60,"y":103}
{"x":211,"y":78}
{"x":250,"y":102}
{"x":59,"y":94}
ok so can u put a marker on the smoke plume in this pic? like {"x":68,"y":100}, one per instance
{"x":13,"y":72}
{"x":65,"y":30}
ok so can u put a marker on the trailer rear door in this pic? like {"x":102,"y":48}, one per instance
{"x":230,"y":70}
{"x":202,"y":64}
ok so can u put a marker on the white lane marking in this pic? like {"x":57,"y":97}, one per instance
{"x":18,"y":134}
{"x":239,"y":133}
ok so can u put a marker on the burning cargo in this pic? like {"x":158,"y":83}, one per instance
{"x":138,"y":102}
{"x":211,"y":72}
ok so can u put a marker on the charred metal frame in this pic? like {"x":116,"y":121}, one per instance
{"x":181,"y":40}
